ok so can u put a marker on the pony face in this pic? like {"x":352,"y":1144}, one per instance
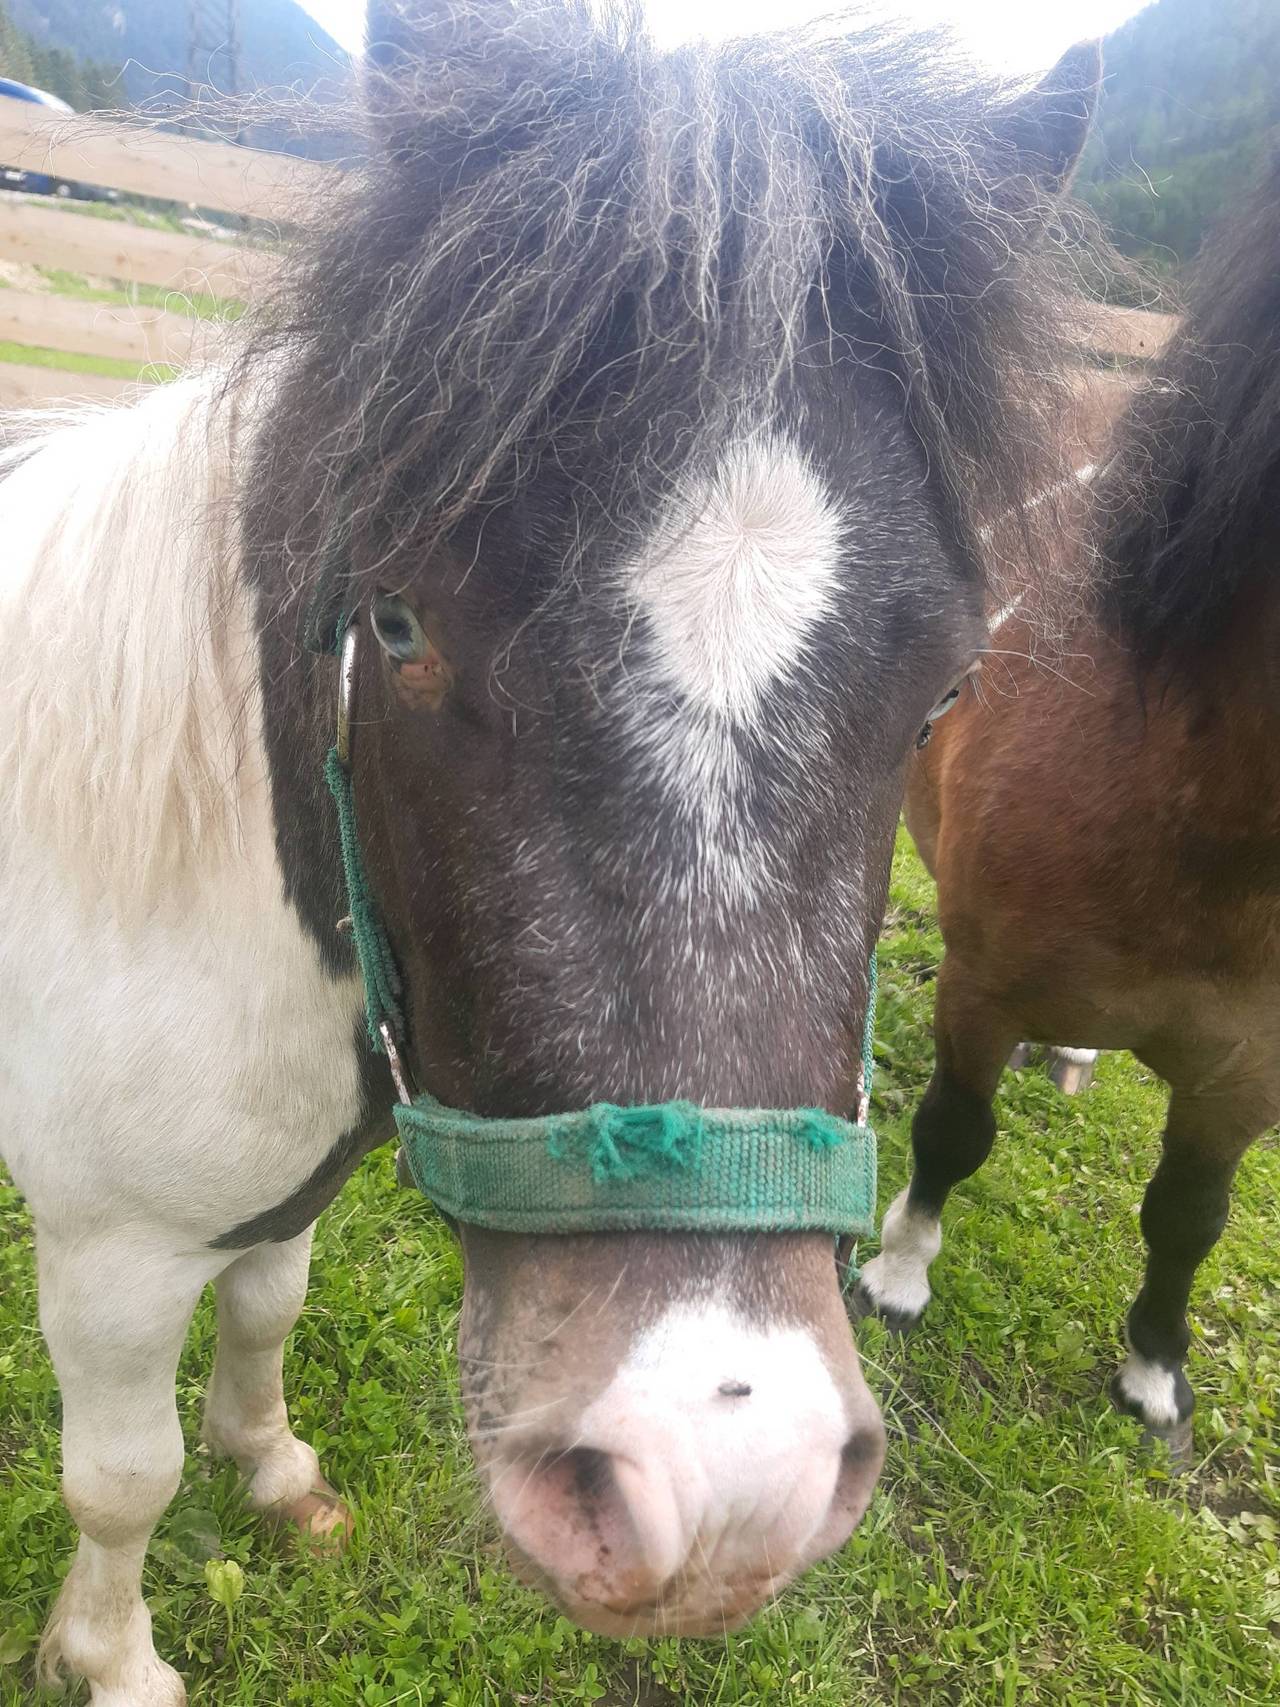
{"x":666,"y":430}
{"x":629,"y":811}
{"x":629,"y":818}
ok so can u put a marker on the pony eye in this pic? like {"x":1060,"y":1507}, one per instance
{"x":953,"y":692}
{"x":945,"y":703}
{"x":399,"y":632}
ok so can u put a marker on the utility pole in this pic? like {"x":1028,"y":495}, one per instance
{"x":213,"y":45}
{"x":213,"y":49}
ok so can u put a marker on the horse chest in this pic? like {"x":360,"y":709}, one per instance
{"x":195,"y":1068}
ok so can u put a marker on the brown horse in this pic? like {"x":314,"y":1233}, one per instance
{"x":1105,"y":833}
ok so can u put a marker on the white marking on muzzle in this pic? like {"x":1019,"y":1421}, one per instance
{"x":735,"y":1432}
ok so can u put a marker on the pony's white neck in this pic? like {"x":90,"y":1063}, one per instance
{"x":129,"y":672}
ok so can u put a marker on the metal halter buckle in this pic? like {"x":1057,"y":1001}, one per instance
{"x":862,"y":1105}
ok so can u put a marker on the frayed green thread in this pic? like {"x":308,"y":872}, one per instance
{"x":637,"y":1143}
{"x":821,"y":1131}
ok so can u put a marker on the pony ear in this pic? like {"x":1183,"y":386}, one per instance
{"x":402,"y":36}
{"x":1048,"y":126}
{"x":464,"y":66}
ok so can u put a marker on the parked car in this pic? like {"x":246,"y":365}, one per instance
{"x":41,"y":183}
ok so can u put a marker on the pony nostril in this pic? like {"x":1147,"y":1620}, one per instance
{"x":860,"y":1460}
{"x":570,"y":1492}
{"x":735,"y":1389}
{"x":588,"y":1475}
{"x":863,"y":1451}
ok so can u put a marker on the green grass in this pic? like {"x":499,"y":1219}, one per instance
{"x":1020,"y":1549}
{"x":67,"y":361}
{"x":119,"y":213}
{"x":61,"y":282}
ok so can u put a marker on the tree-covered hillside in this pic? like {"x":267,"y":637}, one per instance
{"x":145,"y":41}
{"x":1192,"y":90}
{"x":82,"y":83}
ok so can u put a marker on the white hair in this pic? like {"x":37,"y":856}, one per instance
{"x":127,"y":657}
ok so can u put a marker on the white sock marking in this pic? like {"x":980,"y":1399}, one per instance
{"x":897,"y":1280}
{"x":1151,"y":1388}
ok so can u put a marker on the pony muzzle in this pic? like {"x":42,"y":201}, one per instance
{"x":720,"y":1461}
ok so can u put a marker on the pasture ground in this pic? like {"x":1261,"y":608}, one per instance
{"x":1020,"y":1550}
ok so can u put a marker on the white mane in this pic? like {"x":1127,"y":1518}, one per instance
{"x":127,"y":664}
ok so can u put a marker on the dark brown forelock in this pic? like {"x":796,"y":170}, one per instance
{"x":557,"y":225}
{"x":1188,"y":513}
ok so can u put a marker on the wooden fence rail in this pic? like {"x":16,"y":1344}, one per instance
{"x":23,"y":387}
{"x":50,"y":236}
{"x":136,"y":160}
{"x":131,"y":334}
{"x":141,"y":160}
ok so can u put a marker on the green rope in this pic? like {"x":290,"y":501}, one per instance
{"x":869,"y":1027}
{"x":847,"y":1247}
{"x":382,"y":987}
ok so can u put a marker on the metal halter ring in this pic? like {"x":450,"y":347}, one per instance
{"x":399,"y":1072}
{"x":346,"y":693}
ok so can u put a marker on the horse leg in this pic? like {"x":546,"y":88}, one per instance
{"x":1183,"y":1214}
{"x":260,"y":1296}
{"x":114,"y":1313}
{"x":951,"y":1137}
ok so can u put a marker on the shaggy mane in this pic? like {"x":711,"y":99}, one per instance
{"x":126,"y":675}
{"x":1190,"y":512}
{"x":566,"y":247}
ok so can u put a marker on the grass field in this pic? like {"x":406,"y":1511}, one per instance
{"x":1020,"y":1548}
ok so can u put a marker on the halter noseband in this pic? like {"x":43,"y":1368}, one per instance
{"x":671,"y":1165}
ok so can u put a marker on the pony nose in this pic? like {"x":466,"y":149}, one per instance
{"x":647,"y":1527}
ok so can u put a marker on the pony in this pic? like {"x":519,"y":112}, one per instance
{"x":645,"y":399}
{"x":1134,"y":781}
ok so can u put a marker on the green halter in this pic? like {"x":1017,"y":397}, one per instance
{"x":669,"y":1165}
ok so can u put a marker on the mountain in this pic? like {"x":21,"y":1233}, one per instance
{"x":146,"y":40}
{"x":79,"y":82}
{"x":1192,"y":91}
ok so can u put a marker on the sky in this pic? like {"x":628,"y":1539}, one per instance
{"x":1011,"y":35}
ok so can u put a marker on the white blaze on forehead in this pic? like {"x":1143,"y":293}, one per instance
{"x":741,"y":575}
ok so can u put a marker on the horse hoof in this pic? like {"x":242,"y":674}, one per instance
{"x":1177,"y":1438}
{"x":1022,"y":1056}
{"x":1072,"y":1069}
{"x":321,"y":1517}
{"x":860,"y":1304}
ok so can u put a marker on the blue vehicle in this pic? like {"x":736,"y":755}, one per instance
{"x":37,"y":183}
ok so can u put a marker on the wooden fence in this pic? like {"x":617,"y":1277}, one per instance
{"x":134,"y":160}
{"x":43,"y":232}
